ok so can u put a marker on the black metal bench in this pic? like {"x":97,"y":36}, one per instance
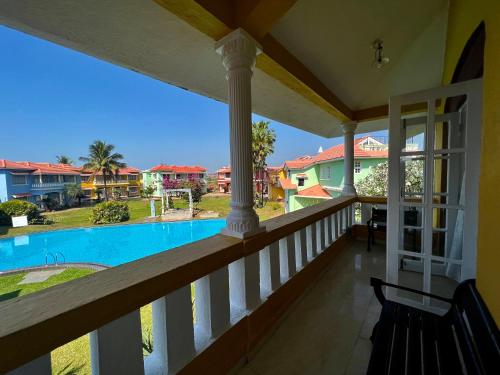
{"x":408,"y":340}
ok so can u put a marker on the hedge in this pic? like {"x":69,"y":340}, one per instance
{"x":110,"y":212}
{"x":18,"y":208}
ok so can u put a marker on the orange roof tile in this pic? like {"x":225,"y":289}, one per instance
{"x":314,"y":191}
{"x":336,"y":152}
{"x":40,"y":168}
{"x":178,"y":168}
{"x":287,"y":184}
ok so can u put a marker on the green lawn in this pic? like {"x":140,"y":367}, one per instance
{"x":139,"y":210}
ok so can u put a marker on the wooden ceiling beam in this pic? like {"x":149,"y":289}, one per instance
{"x":217,"y":18}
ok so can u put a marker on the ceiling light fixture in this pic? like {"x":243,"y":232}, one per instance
{"x":379,"y":61}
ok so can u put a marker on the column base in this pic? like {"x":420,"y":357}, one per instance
{"x":243,"y":235}
{"x":349,"y":190}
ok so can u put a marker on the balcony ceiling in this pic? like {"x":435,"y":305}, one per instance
{"x":316,"y":70}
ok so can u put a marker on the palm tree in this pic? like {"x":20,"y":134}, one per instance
{"x":74,"y":191}
{"x":102,"y":159}
{"x":63,"y":159}
{"x":263,"y":140}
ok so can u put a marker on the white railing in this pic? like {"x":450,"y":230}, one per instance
{"x":241,"y":288}
{"x":46,"y":185}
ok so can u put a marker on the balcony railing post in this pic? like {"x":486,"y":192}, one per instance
{"x":116,"y":348}
{"x":287,"y":257}
{"x":301,"y":248}
{"x":270,"y":279}
{"x":244,"y":282}
{"x":320,"y":236}
{"x":173,"y":334}
{"x":311,"y":241}
{"x":341,"y":222}
{"x":212,"y":302}
{"x":335,"y":223}
{"x":38,"y":366}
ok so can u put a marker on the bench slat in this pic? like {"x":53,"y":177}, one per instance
{"x":398,"y":352}
{"x":414,"y":357}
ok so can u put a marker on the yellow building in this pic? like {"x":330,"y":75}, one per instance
{"x":276,"y":192}
{"x":127,"y":183}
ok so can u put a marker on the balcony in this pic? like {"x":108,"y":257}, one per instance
{"x":243,"y":289}
{"x":49,"y":185}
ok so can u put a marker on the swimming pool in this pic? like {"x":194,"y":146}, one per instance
{"x":109,"y":245}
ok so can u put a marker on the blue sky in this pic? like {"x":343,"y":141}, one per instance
{"x":58,"y":101}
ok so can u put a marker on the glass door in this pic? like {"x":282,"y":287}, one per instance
{"x":434,"y":148}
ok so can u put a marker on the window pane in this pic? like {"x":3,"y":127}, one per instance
{"x":412,"y":178}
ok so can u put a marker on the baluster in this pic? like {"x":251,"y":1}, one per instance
{"x":320,"y":235}
{"x":270,"y":279}
{"x":335,"y":226}
{"x":244,"y":282}
{"x":311,"y":241}
{"x":328,"y":230}
{"x":116,"y":348}
{"x":287,"y":257}
{"x":173,"y":334}
{"x":39,"y":366}
{"x":350,"y":212}
{"x":341,"y":222}
{"x":301,"y":248}
{"x":212,"y":302}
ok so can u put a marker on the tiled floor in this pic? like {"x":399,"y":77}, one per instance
{"x":328,"y":331}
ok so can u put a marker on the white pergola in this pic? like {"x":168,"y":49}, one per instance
{"x":165,"y":205}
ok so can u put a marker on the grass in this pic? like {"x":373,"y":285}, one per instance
{"x":139,"y":211}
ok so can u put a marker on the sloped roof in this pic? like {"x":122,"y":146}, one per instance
{"x":287,"y":184}
{"x":40,"y":168}
{"x":224,"y":170}
{"x":127,"y":170}
{"x":335,"y":153}
{"x":314,"y":191}
{"x":178,"y":168}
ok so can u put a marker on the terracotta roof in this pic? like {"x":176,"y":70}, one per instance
{"x":40,"y":168}
{"x":275,"y":169}
{"x":178,"y":168}
{"x":336,"y":152}
{"x":224,"y":170}
{"x":287,"y":184}
{"x":314,"y":191}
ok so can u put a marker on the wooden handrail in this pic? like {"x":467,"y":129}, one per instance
{"x":372,"y":200}
{"x":36,"y":324}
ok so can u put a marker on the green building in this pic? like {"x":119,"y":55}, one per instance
{"x":312,"y":179}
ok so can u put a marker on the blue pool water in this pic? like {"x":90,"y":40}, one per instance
{"x":110,"y":245}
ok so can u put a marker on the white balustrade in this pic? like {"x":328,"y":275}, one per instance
{"x":288,"y":264}
{"x":212,"y":302}
{"x":244,"y":283}
{"x":173,"y":333}
{"x":328,"y":230}
{"x":116,"y":348}
{"x":301,"y":248}
{"x":311,"y":241}
{"x":320,"y":236}
{"x":269,"y":257}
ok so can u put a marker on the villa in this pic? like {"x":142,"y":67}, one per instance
{"x":36,"y":182}
{"x":159,"y":174}
{"x":312,"y":179}
{"x":260,"y":180}
{"x":126,"y":182}
{"x":292,"y":294}
{"x":275,"y":190}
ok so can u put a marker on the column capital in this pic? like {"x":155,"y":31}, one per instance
{"x":238,"y":50}
{"x":349,"y":127}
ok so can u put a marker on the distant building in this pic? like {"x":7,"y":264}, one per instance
{"x":35,"y":182}
{"x":159,"y":174}
{"x":261,"y":181}
{"x":275,"y":190}
{"x":312,"y":179}
{"x":127,"y":182}
{"x":224,"y":180}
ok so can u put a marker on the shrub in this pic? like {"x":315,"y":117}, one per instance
{"x":4,"y":218}
{"x":110,"y":212}
{"x":20,"y":208}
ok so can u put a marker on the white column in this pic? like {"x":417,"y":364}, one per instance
{"x":349,"y":128}
{"x":239,"y":50}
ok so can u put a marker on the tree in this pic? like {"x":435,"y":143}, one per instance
{"x":196,"y":191}
{"x":63,"y":159}
{"x":263,"y":140}
{"x":102,"y":159}
{"x":148,"y":191}
{"x":74,"y":191}
{"x":375,"y":184}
